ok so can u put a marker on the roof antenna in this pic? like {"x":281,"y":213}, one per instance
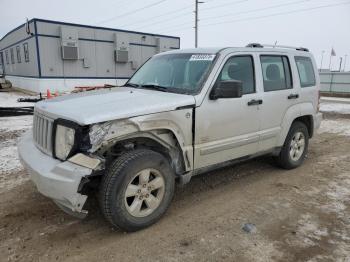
{"x":275,"y":44}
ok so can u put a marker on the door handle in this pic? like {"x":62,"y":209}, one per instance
{"x":293,"y":96}
{"x":255,"y":102}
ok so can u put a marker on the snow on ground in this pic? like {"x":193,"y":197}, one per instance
{"x":339,"y":106}
{"x":16,"y":123}
{"x":336,"y":107}
{"x":11,"y":128}
{"x":9,"y":158}
{"x":339,"y":127}
{"x":9,"y":99}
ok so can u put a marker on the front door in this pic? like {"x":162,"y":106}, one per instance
{"x":227,"y":128}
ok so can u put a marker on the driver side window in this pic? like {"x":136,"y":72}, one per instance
{"x":240,"y":68}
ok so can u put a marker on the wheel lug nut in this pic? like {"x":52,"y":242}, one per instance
{"x":140,"y":197}
{"x":139,"y":191}
{"x":144,"y":185}
{"x":147,"y":195}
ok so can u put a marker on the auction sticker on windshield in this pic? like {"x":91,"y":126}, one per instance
{"x":202,"y":57}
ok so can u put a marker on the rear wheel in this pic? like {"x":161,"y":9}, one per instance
{"x":137,"y":189}
{"x":295,"y":146}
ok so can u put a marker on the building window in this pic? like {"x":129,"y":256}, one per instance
{"x":12,"y":56}
{"x":26,"y":52}
{"x":276,"y":72}
{"x":1,"y":59}
{"x":18,"y":51}
{"x":7,"y":57}
{"x":306,"y":71}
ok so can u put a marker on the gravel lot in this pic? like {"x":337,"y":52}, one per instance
{"x":299,"y":215}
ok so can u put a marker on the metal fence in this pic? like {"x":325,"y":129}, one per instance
{"x":335,"y":82}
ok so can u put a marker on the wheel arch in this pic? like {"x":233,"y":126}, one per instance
{"x":300,"y":112}
{"x":162,"y":141}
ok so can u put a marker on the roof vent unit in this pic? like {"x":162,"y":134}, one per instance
{"x":161,"y":45}
{"x":121,"y":52}
{"x":69,"y":43}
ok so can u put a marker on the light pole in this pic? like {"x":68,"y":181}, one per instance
{"x":345,"y":56}
{"x":196,"y":23}
{"x":322,"y":59}
{"x":340,"y":61}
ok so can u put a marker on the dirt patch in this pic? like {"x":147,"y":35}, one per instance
{"x":300,"y":215}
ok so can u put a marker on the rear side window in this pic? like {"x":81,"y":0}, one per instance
{"x":12,"y":56}
{"x":240,"y":68}
{"x":276,"y":72}
{"x":18,"y":52}
{"x":26,"y":52}
{"x":306,"y":71}
{"x":7,"y":56}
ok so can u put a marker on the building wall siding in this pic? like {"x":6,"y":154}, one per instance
{"x":96,"y":51}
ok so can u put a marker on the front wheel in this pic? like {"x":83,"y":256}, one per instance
{"x":295,"y":146}
{"x":137,"y":189}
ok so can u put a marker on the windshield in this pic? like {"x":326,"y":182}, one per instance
{"x":178,"y":73}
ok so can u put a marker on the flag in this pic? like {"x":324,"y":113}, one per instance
{"x":333,"y":52}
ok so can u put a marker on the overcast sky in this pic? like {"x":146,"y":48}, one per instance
{"x":316,"y":24}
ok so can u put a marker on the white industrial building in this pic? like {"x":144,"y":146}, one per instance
{"x":43,"y":54}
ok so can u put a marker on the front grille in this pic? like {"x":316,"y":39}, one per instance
{"x":42,"y":132}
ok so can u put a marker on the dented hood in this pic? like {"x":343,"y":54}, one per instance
{"x":110,"y":104}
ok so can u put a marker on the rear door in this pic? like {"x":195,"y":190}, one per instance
{"x":279,"y":93}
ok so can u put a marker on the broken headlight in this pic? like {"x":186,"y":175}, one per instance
{"x":64,"y":141}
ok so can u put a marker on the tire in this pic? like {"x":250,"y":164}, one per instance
{"x":125,"y":177}
{"x":294,"y":149}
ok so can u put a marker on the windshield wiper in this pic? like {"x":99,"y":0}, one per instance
{"x":132,"y":85}
{"x":155,"y":87}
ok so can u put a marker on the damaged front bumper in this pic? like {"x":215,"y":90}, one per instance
{"x":55,"y":179}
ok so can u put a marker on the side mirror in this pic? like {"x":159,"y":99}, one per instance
{"x":227,"y":89}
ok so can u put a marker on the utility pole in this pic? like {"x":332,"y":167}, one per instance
{"x":196,"y":23}
{"x":322,"y":59}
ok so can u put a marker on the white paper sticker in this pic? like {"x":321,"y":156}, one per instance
{"x":202,"y":57}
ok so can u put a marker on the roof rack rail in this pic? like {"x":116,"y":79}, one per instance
{"x":257,"y":45}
